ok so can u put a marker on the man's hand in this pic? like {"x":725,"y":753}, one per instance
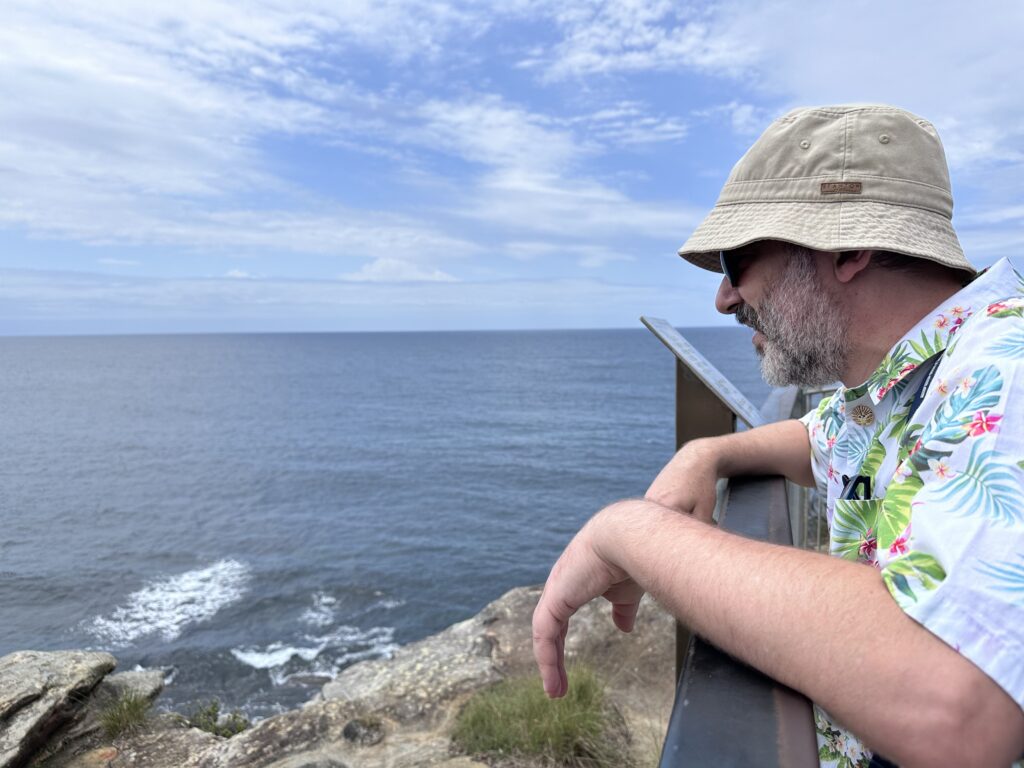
{"x":580,"y":575}
{"x":687,"y":483}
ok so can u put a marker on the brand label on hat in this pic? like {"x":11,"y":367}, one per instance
{"x":840,"y":188}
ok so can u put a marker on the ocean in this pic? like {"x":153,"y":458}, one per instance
{"x":253,"y":513}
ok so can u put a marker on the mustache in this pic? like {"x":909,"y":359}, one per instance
{"x":745,"y":315}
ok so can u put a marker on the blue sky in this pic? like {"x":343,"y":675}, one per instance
{"x":327,"y":166}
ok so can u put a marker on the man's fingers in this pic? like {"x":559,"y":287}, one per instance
{"x":625,"y":599}
{"x":549,"y":632}
{"x":624,"y":615}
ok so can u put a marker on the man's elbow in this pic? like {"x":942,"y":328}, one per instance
{"x":975,"y":724}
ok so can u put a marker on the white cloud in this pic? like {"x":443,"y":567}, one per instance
{"x":487,"y":130}
{"x":110,"y":262}
{"x":628,"y":123}
{"x":238,"y":274}
{"x":587,"y":256}
{"x":387,"y":270}
{"x":582,"y":209}
{"x":621,"y":36}
{"x":745,"y":119}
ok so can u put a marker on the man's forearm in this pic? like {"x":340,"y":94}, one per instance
{"x":854,"y":652}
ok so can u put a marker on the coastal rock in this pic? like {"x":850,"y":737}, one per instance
{"x":423,"y":676}
{"x":166,"y":743}
{"x":146,"y":684}
{"x":390,"y":713}
{"x":40,"y":692}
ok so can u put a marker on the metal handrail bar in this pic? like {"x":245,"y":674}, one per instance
{"x":718,"y":697}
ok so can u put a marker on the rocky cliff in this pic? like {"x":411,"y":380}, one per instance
{"x":393,"y":712}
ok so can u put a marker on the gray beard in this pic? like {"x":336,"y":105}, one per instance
{"x":805,"y":333}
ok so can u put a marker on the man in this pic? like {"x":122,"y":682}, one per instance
{"x":834,"y":233}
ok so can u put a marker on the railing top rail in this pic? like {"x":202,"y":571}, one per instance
{"x":712,"y":378}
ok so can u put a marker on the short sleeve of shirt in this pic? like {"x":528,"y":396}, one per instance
{"x":951,"y":537}
{"x":822,"y":425}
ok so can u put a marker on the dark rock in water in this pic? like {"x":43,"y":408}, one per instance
{"x":41,"y":692}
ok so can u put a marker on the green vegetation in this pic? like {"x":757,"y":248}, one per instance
{"x":208,"y":718}
{"x":515,"y":720}
{"x":124,"y":716}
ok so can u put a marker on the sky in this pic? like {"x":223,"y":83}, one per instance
{"x":339,"y":165}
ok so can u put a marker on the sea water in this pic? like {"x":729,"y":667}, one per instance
{"x":254,"y":513}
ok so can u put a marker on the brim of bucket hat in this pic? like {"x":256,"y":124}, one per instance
{"x":827,"y":226}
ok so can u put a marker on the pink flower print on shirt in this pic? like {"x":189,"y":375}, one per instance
{"x":999,"y":306}
{"x":966,"y":384}
{"x":983,"y":422}
{"x":941,"y":321}
{"x":957,"y":311}
{"x":941,"y":468}
{"x":942,"y":387}
{"x":903,"y":471}
{"x":868,"y":546}
{"x":831,"y":442}
{"x":908,"y":368}
{"x":902,"y":543}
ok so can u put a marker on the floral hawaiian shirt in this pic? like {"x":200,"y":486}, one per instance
{"x":938,"y":491}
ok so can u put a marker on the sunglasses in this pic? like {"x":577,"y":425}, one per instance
{"x":732,"y":263}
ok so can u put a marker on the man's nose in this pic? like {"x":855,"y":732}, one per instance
{"x":728,"y":299}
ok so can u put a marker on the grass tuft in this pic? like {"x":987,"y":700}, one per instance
{"x":125,"y":716}
{"x":208,"y":718}
{"x":515,"y":719}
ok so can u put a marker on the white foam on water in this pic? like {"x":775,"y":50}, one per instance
{"x":274,"y":655}
{"x":285,"y":661}
{"x":168,"y":605}
{"x":388,"y":604}
{"x":321,"y":614}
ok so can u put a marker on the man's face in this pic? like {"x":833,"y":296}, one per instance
{"x":801,"y":331}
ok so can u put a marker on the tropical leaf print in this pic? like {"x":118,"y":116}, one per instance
{"x":989,"y":485}
{"x":976,"y":392}
{"x":927,"y":346}
{"x":854,"y":446}
{"x":915,"y":569}
{"x":892,"y":366}
{"x":1006,"y":576}
{"x":853,"y":523}
{"x":828,"y":414}
{"x":1009,"y":345}
{"x":873,"y":460}
{"x":895,"y":514}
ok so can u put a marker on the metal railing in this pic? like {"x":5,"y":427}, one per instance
{"x":727,"y":713}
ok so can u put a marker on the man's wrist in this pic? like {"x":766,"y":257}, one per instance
{"x":708,"y":452}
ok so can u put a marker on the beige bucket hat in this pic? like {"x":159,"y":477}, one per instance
{"x":839,"y":178}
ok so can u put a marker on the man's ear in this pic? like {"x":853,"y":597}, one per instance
{"x":846,"y":265}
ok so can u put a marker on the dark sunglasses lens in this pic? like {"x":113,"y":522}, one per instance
{"x":728,"y":268}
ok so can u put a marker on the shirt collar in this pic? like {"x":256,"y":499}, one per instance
{"x":933,"y":332}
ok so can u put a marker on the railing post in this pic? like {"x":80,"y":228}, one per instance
{"x":699,"y":413}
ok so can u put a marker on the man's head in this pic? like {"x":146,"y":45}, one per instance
{"x":822,"y":194}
